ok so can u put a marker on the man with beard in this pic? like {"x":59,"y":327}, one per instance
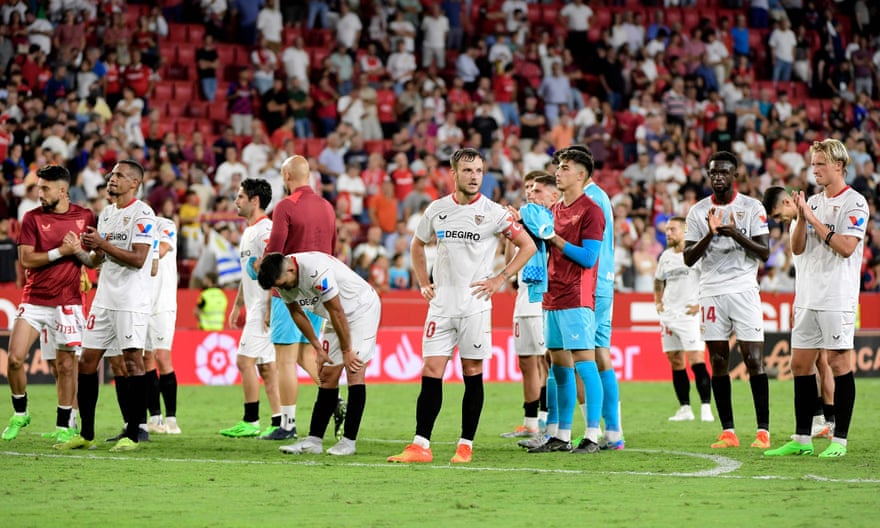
{"x":51,"y":303}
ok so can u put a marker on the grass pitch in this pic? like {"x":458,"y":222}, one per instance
{"x":667,"y":475}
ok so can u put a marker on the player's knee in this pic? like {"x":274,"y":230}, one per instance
{"x":15,"y":361}
{"x":754,"y":361}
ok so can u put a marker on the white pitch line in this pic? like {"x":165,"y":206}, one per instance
{"x":724,"y":466}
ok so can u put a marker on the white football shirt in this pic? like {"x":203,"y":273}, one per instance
{"x":322,"y":277}
{"x":682,"y":285}
{"x":252,"y":246}
{"x":466,"y":244}
{"x":120,"y":286}
{"x":825,"y":280}
{"x":165,"y":281}
{"x":725,"y":266}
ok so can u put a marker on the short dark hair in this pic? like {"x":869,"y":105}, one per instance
{"x":54,"y":173}
{"x":546,"y":179}
{"x":576,"y":154}
{"x":271,"y":268}
{"x":139,"y":169}
{"x":679,"y":219}
{"x":533,"y":175}
{"x":465,"y":154}
{"x":723,"y":155}
{"x":258,"y":188}
{"x":772,"y":197}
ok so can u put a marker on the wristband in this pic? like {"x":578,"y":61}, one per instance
{"x":828,"y":238}
{"x":54,"y":254}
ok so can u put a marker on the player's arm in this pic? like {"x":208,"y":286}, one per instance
{"x":584,"y":255}
{"x":30,"y":258}
{"x":659,"y":288}
{"x":695,"y":249}
{"x":304,"y":324}
{"x":236,"y":307}
{"x":420,"y":268}
{"x":279,"y":229}
{"x":843,"y":245}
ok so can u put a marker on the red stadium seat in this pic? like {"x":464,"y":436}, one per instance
{"x":374,"y":146}
{"x":183,"y":91}
{"x":195,"y":33}
{"x":814,"y":110}
{"x":673,"y":16}
{"x":186,"y":55}
{"x":163,"y":91}
{"x":175,"y":109}
{"x":206,"y":127}
{"x":227,"y":54}
{"x":314,"y":146}
{"x":184,"y":126}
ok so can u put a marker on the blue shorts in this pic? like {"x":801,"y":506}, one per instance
{"x":284,"y":330}
{"x":569,"y":329}
{"x":602,"y":322}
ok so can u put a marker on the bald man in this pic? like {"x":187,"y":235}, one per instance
{"x":304,"y":221}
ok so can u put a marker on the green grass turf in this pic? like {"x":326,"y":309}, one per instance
{"x":666,"y":476}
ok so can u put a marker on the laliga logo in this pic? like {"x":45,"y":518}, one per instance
{"x":215,"y":360}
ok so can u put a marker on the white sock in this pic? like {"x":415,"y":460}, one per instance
{"x":72,"y":422}
{"x":542,"y":416}
{"x":531,"y":424}
{"x":802,"y":439}
{"x":564,"y":435}
{"x":469,"y":443}
{"x":552,"y":429}
{"x":422,"y":442}
{"x":593,"y":434}
{"x":841,"y":441}
{"x":288,"y":417}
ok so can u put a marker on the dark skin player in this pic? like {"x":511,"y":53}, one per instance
{"x":721,"y":174}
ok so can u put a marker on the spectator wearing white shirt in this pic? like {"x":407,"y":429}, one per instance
{"x":296,"y":62}
{"x":783,"y":106}
{"x":402,"y":30}
{"x":257,"y":153}
{"x":270,"y":23}
{"x":401,"y":66}
{"x":223,"y":173}
{"x":466,"y":67}
{"x":783,"y":42}
{"x":576,"y":17}
{"x":40,"y":32}
{"x":349,"y":27}
{"x":435,"y":26}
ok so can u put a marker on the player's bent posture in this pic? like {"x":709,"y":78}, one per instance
{"x":160,"y":332}
{"x":827,"y":239}
{"x":255,"y":350}
{"x":727,"y":233}
{"x":120,"y":311}
{"x":466,"y":225}
{"x":569,"y":323}
{"x":677,"y":298}
{"x":528,"y":318}
{"x":51,"y":302}
{"x":303,"y":221}
{"x":334,"y":291}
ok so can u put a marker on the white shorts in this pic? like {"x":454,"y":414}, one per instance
{"x":682,"y":335}
{"x":60,"y":327}
{"x":106,"y":328}
{"x":739,"y":313}
{"x":528,"y":336}
{"x":160,"y":330}
{"x":113,"y":351}
{"x":362,"y":334}
{"x":472,"y":334}
{"x":256,"y":343}
{"x":823,"y":329}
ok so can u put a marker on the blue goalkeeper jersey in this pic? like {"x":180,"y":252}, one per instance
{"x":605,"y":280}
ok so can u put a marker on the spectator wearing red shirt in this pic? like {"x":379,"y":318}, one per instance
{"x":627,"y":122}
{"x":325,"y":98}
{"x":460,"y":102}
{"x":138,"y":76}
{"x":386,"y":102}
{"x":504,"y":88}
{"x":402,"y":176}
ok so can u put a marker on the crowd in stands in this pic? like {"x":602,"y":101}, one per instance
{"x":377,"y":94}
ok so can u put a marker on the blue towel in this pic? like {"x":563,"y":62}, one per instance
{"x":538,"y":220}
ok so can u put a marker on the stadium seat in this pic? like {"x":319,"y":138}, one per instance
{"x":163,"y":91}
{"x":175,"y":109}
{"x":205,"y":126}
{"x":227,"y":54}
{"x":550,"y":14}
{"x":814,"y":110}
{"x":183,"y":91}
{"x":184,"y":126}
{"x":197,"y":109}
{"x":673,"y":16}
{"x":601,"y":18}
{"x":690,"y":20}
{"x":186,"y":55}
{"x":374,"y":146}
{"x":299,"y":146}
{"x":314,"y":146}
{"x":218,"y":110}
{"x":176,"y":33}
{"x":195,"y":33}
{"x":317,"y":56}
{"x":535,"y":14}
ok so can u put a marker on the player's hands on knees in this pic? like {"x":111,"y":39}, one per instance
{"x":427,"y":292}
{"x":351,"y":361}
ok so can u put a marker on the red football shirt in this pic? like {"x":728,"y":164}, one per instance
{"x":568,"y":284}
{"x":303,"y":222}
{"x":56,"y":283}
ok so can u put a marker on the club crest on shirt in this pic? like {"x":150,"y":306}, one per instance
{"x":835,"y":209}
{"x":478,"y":219}
{"x":45,"y":227}
{"x":80,"y":224}
{"x":125,"y":220}
{"x":740,"y":215}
